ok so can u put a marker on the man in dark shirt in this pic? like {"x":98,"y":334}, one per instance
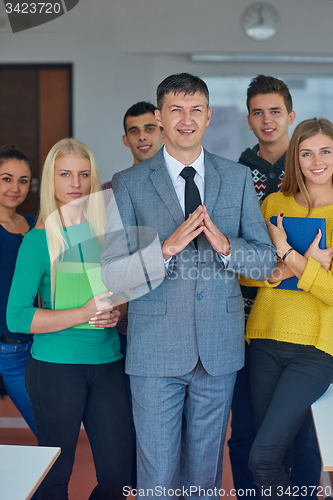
{"x":144,"y":138}
{"x":270,"y":110}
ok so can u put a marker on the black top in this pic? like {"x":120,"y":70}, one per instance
{"x":9,"y":247}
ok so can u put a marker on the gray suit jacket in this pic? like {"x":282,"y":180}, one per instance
{"x":197,"y":309}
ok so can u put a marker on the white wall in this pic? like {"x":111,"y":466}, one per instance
{"x":122,"y":49}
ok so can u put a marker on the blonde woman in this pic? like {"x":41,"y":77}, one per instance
{"x":73,"y":375}
{"x":290,"y":331}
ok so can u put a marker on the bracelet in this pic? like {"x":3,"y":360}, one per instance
{"x":287,"y":253}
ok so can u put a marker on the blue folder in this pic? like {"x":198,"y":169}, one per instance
{"x":300,"y":234}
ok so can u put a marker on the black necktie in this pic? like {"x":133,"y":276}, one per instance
{"x":192,"y":195}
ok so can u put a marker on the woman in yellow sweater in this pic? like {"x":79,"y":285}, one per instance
{"x":291,"y":331}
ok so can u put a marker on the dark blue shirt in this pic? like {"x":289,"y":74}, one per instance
{"x":9,"y":246}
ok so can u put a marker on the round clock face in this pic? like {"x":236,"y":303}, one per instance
{"x":260,"y":21}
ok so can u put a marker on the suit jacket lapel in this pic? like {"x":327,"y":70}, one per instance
{"x":212,"y":183}
{"x":161,"y":180}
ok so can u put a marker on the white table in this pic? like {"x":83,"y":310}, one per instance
{"x":322,"y":412}
{"x":23,"y":468}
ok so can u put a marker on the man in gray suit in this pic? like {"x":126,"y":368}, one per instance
{"x":185,"y":337}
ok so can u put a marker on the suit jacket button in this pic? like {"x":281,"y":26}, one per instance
{"x":199,"y":296}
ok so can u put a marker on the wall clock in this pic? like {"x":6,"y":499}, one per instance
{"x":260,"y":21}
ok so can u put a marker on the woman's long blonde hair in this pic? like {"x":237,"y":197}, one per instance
{"x":294,"y":179}
{"x":93,"y":209}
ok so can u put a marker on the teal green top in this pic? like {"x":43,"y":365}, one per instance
{"x":32,"y":275}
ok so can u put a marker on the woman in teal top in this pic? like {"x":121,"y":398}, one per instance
{"x":74,"y":373}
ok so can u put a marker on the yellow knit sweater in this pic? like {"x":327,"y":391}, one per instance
{"x":296,"y":316}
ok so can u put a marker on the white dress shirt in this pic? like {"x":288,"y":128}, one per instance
{"x":174,"y":168}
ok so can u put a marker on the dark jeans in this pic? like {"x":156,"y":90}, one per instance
{"x":306,"y":462}
{"x":62,"y":396}
{"x":243,"y":431}
{"x":123,"y":347}
{"x":286,"y":379}
{"x":13,"y":360}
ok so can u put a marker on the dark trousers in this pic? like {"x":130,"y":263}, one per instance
{"x":243,"y":432}
{"x":306,"y":462}
{"x":286,"y":379}
{"x":123,"y":347}
{"x":62,"y":396}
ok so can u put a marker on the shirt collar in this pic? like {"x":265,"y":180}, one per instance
{"x":174,"y":166}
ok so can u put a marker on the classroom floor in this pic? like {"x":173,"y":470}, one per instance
{"x":13,"y":430}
